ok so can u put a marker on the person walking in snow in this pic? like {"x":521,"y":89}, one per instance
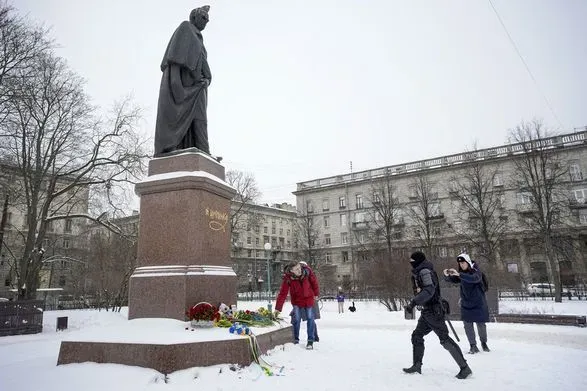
{"x":473,"y":301}
{"x":340,"y":300}
{"x":302,"y":285}
{"x":427,"y":296}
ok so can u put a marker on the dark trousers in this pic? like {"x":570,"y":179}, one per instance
{"x":434,"y":321}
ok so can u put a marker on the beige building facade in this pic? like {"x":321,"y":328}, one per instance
{"x":343,"y":208}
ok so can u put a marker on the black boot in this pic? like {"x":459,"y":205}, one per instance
{"x":485,"y":347}
{"x":455,"y":352}
{"x":310,"y":345}
{"x":464,"y":372}
{"x":417,"y":367}
{"x":473,"y":349}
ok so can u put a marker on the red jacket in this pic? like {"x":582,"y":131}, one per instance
{"x":301,"y":289}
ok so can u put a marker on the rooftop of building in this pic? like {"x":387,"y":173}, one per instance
{"x":493,"y":153}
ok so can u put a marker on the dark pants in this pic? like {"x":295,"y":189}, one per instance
{"x":434,"y":321}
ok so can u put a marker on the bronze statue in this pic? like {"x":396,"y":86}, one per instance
{"x":181,"y":111}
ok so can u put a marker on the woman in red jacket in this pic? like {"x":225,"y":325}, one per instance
{"x":302,"y":285}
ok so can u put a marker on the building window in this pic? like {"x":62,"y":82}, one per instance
{"x":327,"y":240}
{"x":66,"y":243}
{"x":7,"y":281}
{"x":326,"y":221}
{"x":360,"y":217}
{"x":249,"y":253}
{"x":344,"y":238}
{"x":265,"y":229}
{"x":258,"y":253}
{"x":9,"y":218}
{"x":376,"y":198}
{"x":343,"y":220}
{"x":249,"y":240}
{"x":328,"y":257}
{"x":68,"y":224}
{"x":359,"y":201}
{"x":345,"y":256}
{"x":281,"y":231}
{"x":512,"y":267}
{"x":341,"y":202}
{"x":257,"y":229}
{"x":287,"y":232}
{"x":309,"y":207}
{"x":442,"y":252}
{"x":50,"y":226}
{"x":583,"y":217}
{"x":325,"y":205}
{"x":575,"y":172}
{"x":580,"y":195}
{"x":256,"y":241}
{"x":62,"y":281}
{"x":497,"y":180}
{"x":524,"y":198}
{"x":273,"y":243}
{"x":435,"y":209}
{"x":273,"y":230}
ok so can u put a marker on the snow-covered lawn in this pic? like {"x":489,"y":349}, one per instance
{"x":364,"y":350}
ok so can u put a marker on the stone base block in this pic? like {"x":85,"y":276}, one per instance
{"x":168,"y":291}
{"x":173,"y":357}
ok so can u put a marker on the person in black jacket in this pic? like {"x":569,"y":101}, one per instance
{"x":427,"y":296}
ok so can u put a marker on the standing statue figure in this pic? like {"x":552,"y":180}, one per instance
{"x":181,"y":112}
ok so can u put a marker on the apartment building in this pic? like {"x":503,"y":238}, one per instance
{"x":342,"y":206}
{"x":259,"y":225}
{"x":64,"y":246}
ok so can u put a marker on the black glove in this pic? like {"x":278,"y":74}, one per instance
{"x":410,"y":306}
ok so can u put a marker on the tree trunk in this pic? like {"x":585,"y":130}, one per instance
{"x":554,"y":269}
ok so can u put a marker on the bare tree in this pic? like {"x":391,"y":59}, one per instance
{"x":242,"y":211}
{"x":307,"y":231}
{"x":386,"y":214}
{"x":541,"y":176}
{"x":20,"y":44}
{"x":480,"y":221}
{"x":112,"y":259}
{"x":63,"y":152}
{"x":424,"y":211}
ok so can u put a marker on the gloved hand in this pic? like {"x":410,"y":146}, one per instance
{"x":410,"y":306}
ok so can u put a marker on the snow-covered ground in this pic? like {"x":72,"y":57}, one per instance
{"x":364,"y":350}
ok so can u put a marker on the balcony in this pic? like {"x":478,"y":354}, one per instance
{"x":525,"y":208}
{"x":358,"y":225}
{"x":576,"y":176}
{"x":580,"y":203}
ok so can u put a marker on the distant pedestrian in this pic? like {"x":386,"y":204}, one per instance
{"x":340,"y":300}
{"x":473,"y":301}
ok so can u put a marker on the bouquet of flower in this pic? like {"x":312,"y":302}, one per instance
{"x":203,"y":311}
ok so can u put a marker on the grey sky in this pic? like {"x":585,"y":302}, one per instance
{"x":300,"y":88}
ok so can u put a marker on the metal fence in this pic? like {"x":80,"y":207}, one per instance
{"x":21,"y":317}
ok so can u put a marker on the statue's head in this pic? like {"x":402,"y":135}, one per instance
{"x":199,"y":17}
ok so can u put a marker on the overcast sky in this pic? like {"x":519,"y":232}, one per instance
{"x":301,"y":88}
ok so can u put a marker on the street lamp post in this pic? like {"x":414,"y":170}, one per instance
{"x":267,"y":247}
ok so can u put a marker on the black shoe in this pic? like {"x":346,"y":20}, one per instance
{"x":485,"y":347}
{"x":316,"y":339}
{"x":464,"y":373}
{"x":310,"y":345}
{"x":473,"y":349}
{"x":296,"y":342}
{"x":414,"y":368}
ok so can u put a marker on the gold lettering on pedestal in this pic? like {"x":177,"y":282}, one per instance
{"x":217,"y":220}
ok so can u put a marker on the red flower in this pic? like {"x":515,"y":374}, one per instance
{"x":247,"y":312}
{"x":202,"y":311}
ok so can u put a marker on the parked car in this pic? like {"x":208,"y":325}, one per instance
{"x":543,"y":289}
